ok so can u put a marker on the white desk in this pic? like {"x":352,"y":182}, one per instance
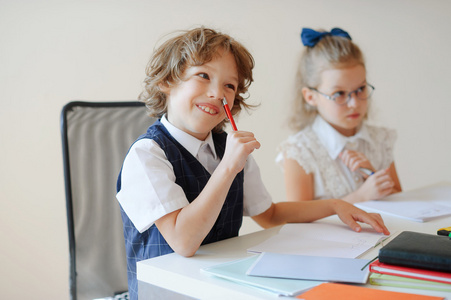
{"x":182,"y":275}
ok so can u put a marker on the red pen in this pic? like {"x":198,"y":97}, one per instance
{"x":228,"y":113}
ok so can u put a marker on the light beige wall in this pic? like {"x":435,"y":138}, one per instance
{"x":52,"y":52}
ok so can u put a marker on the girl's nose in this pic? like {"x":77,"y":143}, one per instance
{"x":353,"y":101}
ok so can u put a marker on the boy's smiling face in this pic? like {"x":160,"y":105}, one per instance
{"x":195,"y":103}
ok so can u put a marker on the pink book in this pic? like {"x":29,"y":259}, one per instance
{"x":415,"y":273}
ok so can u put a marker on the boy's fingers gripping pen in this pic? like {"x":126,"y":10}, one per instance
{"x":228,"y":113}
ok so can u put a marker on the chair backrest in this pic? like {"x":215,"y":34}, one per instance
{"x":96,"y":137}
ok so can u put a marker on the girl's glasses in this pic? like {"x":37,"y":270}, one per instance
{"x":341,"y":97}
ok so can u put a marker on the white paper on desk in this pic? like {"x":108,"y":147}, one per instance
{"x":236,"y":271}
{"x":304,"y":267}
{"x":418,"y":211}
{"x":419,"y":205}
{"x":320,"y":239}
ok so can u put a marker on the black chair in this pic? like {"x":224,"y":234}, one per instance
{"x":96,"y":137}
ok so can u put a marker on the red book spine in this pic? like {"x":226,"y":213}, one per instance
{"x":415,"y":273}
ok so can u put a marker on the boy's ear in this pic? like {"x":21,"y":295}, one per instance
{"x":164,"y":87}
{"x":309,"y":96}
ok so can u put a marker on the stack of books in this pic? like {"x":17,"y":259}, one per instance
{"x":414,"y":260}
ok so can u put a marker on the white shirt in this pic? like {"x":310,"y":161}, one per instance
{"x":148,"y":188}
{"x":316,"y":149}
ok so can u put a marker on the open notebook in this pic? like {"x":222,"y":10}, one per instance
{"x":320,"y":239}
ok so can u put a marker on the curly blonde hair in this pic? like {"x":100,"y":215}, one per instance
{"x":331,"y":52}
{"x":193,"y":48}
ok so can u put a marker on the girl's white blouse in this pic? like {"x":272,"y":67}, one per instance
{"x":316,"y":149}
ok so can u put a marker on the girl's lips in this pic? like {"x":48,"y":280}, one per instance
{"x":354,"y":116}
{"x":208,"y":109}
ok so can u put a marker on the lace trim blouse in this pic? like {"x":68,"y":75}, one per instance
{"x":316,"y":149}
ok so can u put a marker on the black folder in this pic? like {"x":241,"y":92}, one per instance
{"x":418,"y":250}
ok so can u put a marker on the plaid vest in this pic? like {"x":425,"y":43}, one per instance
{"x":192,"y":177}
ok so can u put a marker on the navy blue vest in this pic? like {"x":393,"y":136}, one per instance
{"x":192,"y":177}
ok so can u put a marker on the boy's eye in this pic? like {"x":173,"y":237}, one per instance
{"x":231,"y":86}
{"x":204,"y":75}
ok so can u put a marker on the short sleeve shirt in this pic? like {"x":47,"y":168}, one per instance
{"x":149,"y":190}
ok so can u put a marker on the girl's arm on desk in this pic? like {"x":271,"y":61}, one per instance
{"x":309,"y":211}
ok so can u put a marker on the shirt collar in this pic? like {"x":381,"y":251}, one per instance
{"x":333,"y":141}
{"x":190,"y":143}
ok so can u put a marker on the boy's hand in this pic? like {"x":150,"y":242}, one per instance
{"x":238,"y":147}
{"x":350,"y":215}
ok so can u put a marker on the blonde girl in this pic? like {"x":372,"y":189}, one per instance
{"x":335,"y":153}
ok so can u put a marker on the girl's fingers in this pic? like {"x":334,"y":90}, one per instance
{"x":357,"y":164}
{"x":353,"y":160}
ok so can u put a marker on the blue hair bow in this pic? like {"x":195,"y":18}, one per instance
{"x":311,"y":37}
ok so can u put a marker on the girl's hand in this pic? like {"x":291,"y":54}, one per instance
{"x":238,"y":147}
{"x":377,"y":186}
{"x":355,"y":160}
{"x":350,"y":215}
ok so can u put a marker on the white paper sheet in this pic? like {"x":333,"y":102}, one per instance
{"x":418,"y":205}
{"x":320,"y":239}
{"x":310,"y":268}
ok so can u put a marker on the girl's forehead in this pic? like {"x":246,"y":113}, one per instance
{"x":343,"y":76}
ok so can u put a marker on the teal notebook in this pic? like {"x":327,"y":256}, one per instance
{"x":236,"y":271}
{"x":404,"y":282}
